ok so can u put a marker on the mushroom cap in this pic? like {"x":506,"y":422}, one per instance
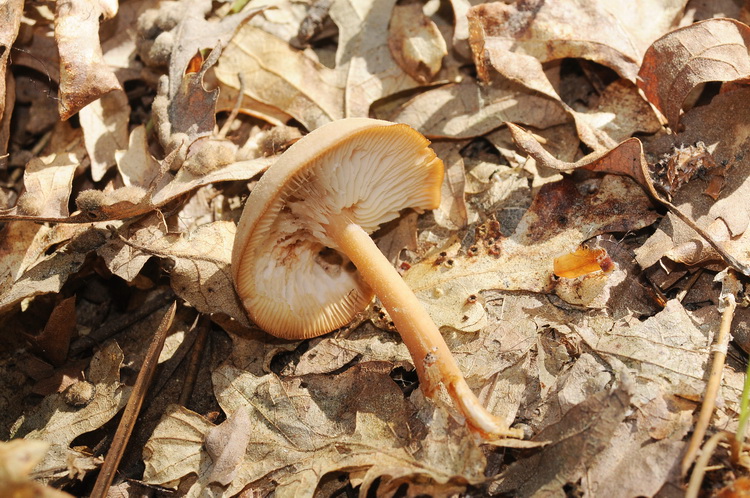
{"x":292,"y":279}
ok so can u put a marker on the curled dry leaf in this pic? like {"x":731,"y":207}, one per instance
{"x":625,"y":159}
{"x":415,"y":42}
{"x":84,"y":76}
{"x":515,"y":39}
{"x":711,"y":50}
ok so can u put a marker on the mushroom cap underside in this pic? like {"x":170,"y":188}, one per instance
{"x":292,"y":279}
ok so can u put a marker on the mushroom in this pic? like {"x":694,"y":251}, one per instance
{"x":303,"y":263}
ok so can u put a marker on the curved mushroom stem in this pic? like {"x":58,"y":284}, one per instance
{"x":426,"y":345}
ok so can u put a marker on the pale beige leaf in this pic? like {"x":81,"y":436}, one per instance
{"x":364,"y":64}
{"x":48,"y":182}
{"x":136,"y":164}
{"x":10,"y":21}
{"x":105,"y":130}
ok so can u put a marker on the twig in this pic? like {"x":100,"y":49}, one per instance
{"x":130,"y":414}
{"x":199,"y":347}
{"x":714,"y":382}
{"x":235,"y":110}
{"x":696,"y":478}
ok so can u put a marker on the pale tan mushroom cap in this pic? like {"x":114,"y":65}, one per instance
{"x":292,"y":280}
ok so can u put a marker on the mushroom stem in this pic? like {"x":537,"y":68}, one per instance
{"x":432,"y":358}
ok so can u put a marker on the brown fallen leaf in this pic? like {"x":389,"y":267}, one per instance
{"x":468,"y":109}
{"x":85,"y":76}
{"x":48,"y":182}
{"x":583,"y":432}
{"x":381,"y":433}
{"x":515,"y":39}
{"x":281,"y":76}
{"x":724,"y":125}
{"x":52,"y":344}
{"x":55,"y":422}
{"x":711,"y":50}
{"x":415,"y":42}
{"x":10,"y":21}
{"x":201,"y":259}
{"x":559,"y":219}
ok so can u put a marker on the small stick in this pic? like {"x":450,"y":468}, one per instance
{"x":696,"y":478}
{"x":130,"y":414}
{"x":199,"y":346}
{"x":714,"y":382}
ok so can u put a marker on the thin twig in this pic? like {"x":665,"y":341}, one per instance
{"x":199,"y":347}
{"x":133,"y":407}
{"x":714,"y":382}
{"x":696,"y":478}
{"x":235,"y":110}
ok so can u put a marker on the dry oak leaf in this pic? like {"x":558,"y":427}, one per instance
{"x":670,"y":348}
{"x":306,"y":427}
{"x":59,"y":424}
{"x":84,"y":76}
{"x":47,"y":182}
{"x":711,"y":50}
{"x":575,"y":441}
{"x":277,"y":74}
{"x":468,"y":109}
{"x":201,"y":260}
{"x":561,"y":217}
{"x":724,"y":125}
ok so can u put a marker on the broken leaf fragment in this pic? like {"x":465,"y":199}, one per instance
{"x":415,"y":42}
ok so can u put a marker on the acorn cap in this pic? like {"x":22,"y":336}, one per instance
{"x":292,"y":279}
